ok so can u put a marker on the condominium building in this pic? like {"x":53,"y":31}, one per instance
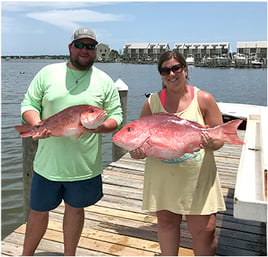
{"x":144,"y":52}
{"x":215,"y":54}
{"x":257,"y":49}
{"x":201,"y":50}
{"x":151,"y":51}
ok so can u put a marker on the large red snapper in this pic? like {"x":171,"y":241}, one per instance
{"x":166,"y":136}
{"x":72,"y":121}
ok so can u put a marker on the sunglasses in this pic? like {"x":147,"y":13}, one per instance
{"x":81,"y":45}
{"x":166,"y":70}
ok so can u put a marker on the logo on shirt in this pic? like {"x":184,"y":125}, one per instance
{"x":196,"y":156}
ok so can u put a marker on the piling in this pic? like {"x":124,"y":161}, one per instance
{"x":122,"y":88}
{"x":29,"y":147}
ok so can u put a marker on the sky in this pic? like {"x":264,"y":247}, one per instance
{"x":46,"y":27}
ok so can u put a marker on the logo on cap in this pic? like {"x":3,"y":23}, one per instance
{"x":84,"y":33}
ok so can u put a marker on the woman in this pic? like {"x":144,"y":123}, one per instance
{"x":188,"y":185}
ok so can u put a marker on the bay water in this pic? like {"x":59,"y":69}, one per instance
{"x":245,"y":86}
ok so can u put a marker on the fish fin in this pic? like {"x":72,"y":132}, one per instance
{"x":230,"y":132}
{"x":24,"y":130}
{"x":79,"y":135}
{"x":159,"y":144}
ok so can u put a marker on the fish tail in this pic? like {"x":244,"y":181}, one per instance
{"x":24,"y":130}
{"x":230,"y":132}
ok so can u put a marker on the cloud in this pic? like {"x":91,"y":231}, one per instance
{"x":24,"y":6}
{"x":69,"y":19}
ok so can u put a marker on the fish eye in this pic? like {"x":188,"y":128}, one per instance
{"x":92,"y":110}
{"x":129,"y":129}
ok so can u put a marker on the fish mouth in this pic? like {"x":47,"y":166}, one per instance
{"x":122,"y":145}
{"x":127,"y":144}
{"x":95,"y":121}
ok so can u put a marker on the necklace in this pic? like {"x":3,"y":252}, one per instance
{"x":77,"y":79}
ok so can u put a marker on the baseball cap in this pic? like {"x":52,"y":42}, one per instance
{"x":84,"y":32}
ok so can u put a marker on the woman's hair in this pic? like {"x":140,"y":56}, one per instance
{"x":173,"y":54}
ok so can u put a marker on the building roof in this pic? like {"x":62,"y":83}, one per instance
{"x":252,"y":44}
{"x":137,"y":45}
{"x":201,"y":45}
{"x":145,"y":45}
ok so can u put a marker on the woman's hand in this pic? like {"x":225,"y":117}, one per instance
{"x":210,"y":142}
{"x":207,"y":140}
{"x":137,"y":154}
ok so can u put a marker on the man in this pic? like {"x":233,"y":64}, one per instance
{"x":65,"y":168}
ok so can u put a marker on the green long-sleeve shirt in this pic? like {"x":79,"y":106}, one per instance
{"x":54,"y":89}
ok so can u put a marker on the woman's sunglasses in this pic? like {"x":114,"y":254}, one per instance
{"x":166,"y":70}
{"x":81,"y":45}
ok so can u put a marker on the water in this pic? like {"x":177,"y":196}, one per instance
{"x":247,"y":86}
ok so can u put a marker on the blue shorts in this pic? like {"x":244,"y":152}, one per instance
{"x":46,"y":195}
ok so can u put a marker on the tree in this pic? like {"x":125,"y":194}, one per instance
{"x":114,"y":55}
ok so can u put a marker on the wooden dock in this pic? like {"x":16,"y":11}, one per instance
{"x":116,"y":225}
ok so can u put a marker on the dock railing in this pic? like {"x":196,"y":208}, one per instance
{"x":250,"y":199}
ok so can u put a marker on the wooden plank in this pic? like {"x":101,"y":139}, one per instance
{"x":122,"y":191}
{"x":124,"y":226}
{"x":123,"y":174}
{"x":122,"y":181}
{"x":92,"y":234}
{"x":230,"y":222}
{"x":13,"y":245}
{"x":11,"y":249}
{"x":93,"y":244}
{"x":122,"y":214}
{"x":121,"y":219}
{"x":104,"y":242}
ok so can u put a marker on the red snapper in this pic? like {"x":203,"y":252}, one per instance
{"x":72,"y":121}
{"x":166,"y":136}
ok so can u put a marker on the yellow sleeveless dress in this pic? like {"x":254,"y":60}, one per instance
{"x":187,"y":185}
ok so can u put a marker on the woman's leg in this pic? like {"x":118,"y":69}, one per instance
{"x":203,"y":231}
{"x":169,"y":232}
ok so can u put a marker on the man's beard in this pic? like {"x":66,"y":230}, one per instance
{"x":82,"y":66}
